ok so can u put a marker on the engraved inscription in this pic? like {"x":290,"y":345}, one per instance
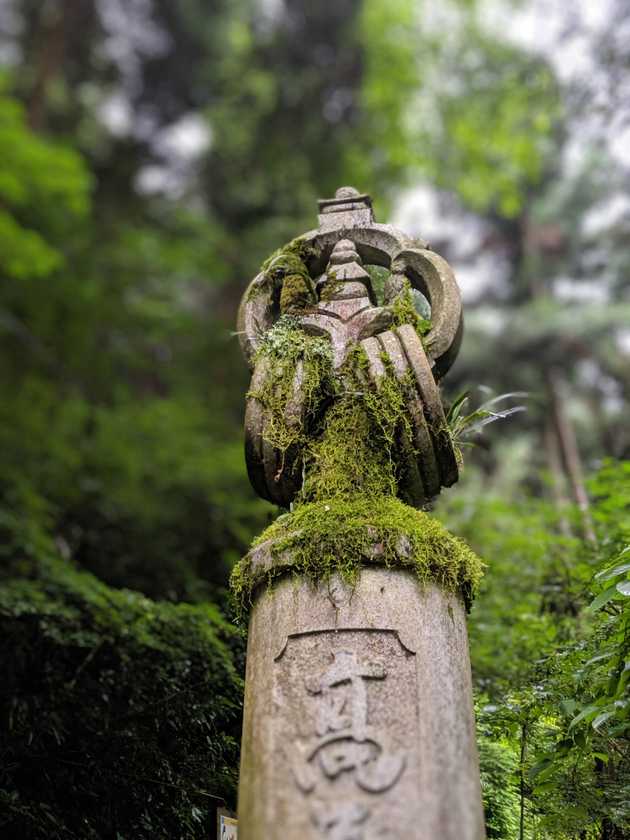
{"x":344,"y":741}
{"x":346,"y":710}
{"x":341,"y":822}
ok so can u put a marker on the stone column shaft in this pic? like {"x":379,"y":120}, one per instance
{"x":358,"y":713}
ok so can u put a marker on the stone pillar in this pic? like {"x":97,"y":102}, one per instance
{"x":358,"y":702}
{"x":358,"y":714}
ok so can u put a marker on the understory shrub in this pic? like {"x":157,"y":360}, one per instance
{"x":120,"y":716}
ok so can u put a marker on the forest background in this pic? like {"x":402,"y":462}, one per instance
{"x":152,"y":154}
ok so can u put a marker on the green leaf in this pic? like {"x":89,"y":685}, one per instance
{"x":584,"y":714}
{"x":602,"y":719}
{"x":623,"y":587}
{"x":456,"y":407}
{"x":603,"y":598}
{"x":599,"y":658}
{"x":607,"y":574}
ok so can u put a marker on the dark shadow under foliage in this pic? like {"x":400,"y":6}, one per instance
{"x":120,"y":716}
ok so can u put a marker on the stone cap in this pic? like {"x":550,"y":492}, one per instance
{"x":346,"y":198}
{"x":349,"y":208}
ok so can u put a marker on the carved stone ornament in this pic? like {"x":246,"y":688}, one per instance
{"x":339,"y":304}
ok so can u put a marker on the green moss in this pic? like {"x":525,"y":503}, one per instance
{"x":334,"y":468}
{"x":375,"y":422}
{"x":286,"y":346}
{"x":344,"y":533}
{"x":288,"y":266}
{"x":405,"y":312}
{"x":294,"y":256}
{"x":330,"y":288}
{"x":297,"y":294}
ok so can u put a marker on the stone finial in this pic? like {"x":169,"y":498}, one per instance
{"x":331,"y":298}
{"x":358,"y":717}
{"x":349,"y":208}
{"x":347,"y":192}
{"x":345,"y":263}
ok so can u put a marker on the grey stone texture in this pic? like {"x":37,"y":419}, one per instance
{"x":358,"y":714}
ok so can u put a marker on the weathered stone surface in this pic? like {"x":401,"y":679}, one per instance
{"x":358,"y":710}
{"x":358,"y":714}
{"x":431,"y":402}
{"x":345,"y":313}
{"x":349,"y":216}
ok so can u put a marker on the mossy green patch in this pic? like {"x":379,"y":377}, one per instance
{"x":287,"y":267}
{"x":343,"y":534}
{"x":332,"y":467}
{"x":297,"y":294}
{"x":292,"y":256}
{"x":291,"y":353}
{"x":361,"y":440}
{"x":405,"y":312}
{"x":330,"y":288}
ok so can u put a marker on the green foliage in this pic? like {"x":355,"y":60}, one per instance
{"x":463,"y":426}
{"x":44,"y":189}
{"x":549,"y":643}
{"x":475,"y":115}
{"x":121,"y":714}
{"x":494,"y":136}
{"x":498,"y":764}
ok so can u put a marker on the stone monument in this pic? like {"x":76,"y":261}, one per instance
{"x":358,"y":703}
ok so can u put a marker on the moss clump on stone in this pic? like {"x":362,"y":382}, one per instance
{"x":343,"y":534}
{"x":286,"y":271}
{"x":288,"y":267}
{"x":288,"y":349}
{"x":405,"y":312}
{"x":297,"y":293}
{"x":335,"y":468}
{"x":293,"y":256}
{"x":376,"y":424}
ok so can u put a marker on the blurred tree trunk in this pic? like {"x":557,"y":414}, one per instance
{"x":569,"y":452}
{"x":55,"y":20}
{"x":558,"y":481}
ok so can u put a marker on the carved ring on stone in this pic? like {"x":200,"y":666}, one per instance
{"x":381,"y":245}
